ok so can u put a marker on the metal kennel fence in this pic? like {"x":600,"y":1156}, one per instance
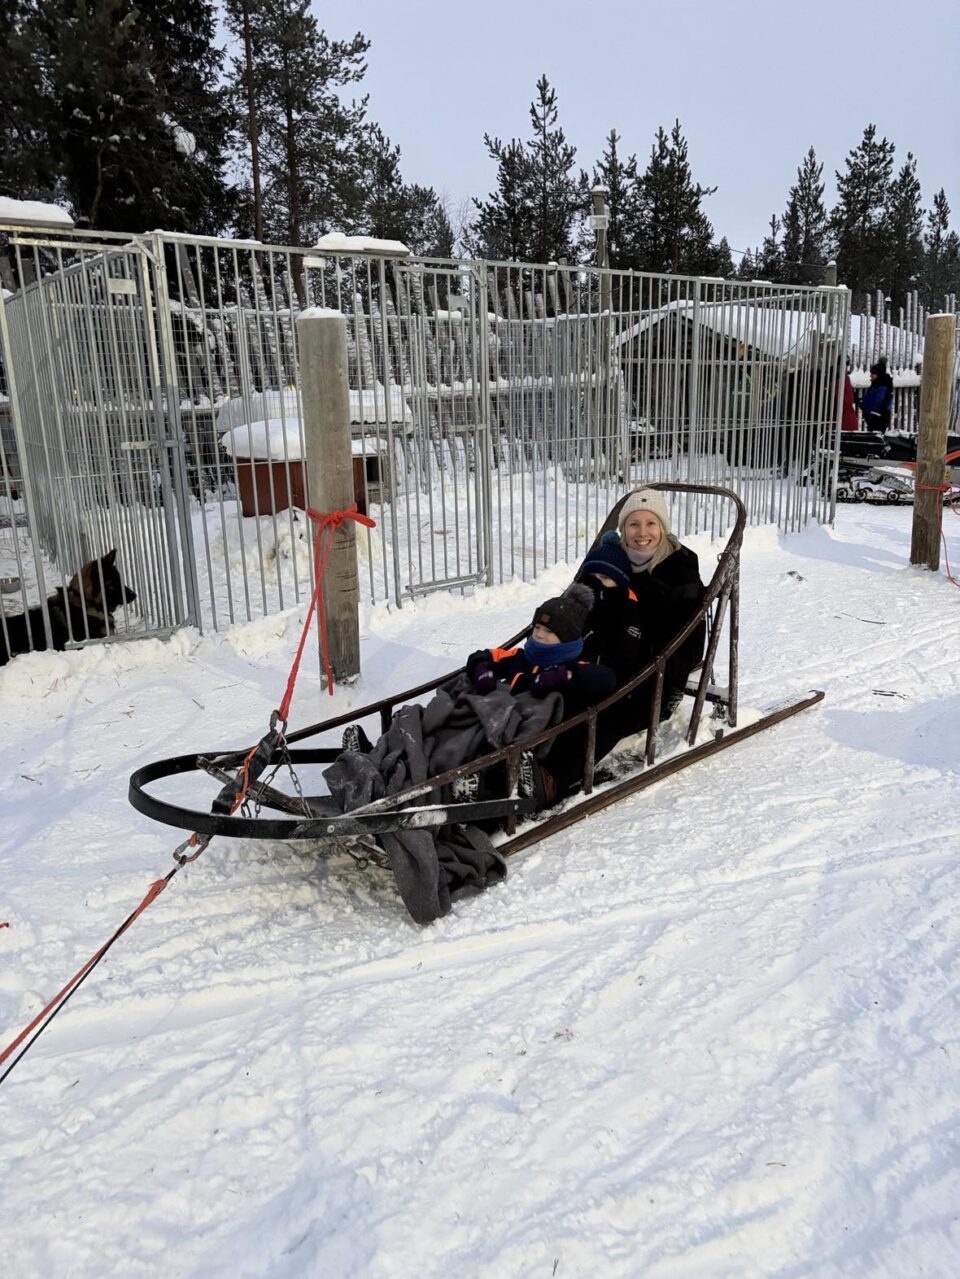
{"x":498,"y":410}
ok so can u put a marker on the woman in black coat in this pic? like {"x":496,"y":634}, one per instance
{"x":647,"y":588}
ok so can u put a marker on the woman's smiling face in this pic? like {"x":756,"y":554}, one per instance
{"x":642,"y":531}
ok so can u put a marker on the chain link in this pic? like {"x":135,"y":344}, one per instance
{"x":285,"y":753}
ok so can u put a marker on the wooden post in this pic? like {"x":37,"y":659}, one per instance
{"x":939,"y":356}
{"x":328,"y":467}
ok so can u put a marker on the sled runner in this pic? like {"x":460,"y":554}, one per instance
{"x":238,"y":808}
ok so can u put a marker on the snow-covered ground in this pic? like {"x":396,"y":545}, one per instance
{"x":712,"y":1031}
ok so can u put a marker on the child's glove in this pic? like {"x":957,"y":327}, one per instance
{"x":483,"y":678}
{"x":549,"y":681}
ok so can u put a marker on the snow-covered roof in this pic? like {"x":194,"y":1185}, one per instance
{"x":337,"y":242}
{"x":367,"y":407}
{"x":766,"y":328}
{"x":277,"y":441}
{"x":34,"y":212}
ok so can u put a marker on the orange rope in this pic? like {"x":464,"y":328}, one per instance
{"x":940,"y":489}
{"x":152,"y":893}
{"x":241,"y":794}
{"x":326,"y":524}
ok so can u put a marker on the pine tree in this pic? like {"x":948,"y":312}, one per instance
{"x":747,"y":270}
{"x":27,"y":168}
{"x":310,"y":139}
{"x":504,"y":226}
{"x":134,"y":129}
{"x":770,"y":262}
{"x":805,"y":225}
{"x":241,"y":20}
{"x":951,"y":266}
{"x":857,"y":222}
{"x":939,"y":271}
{"x":903,"y":234}
{"x":188,"y":67}
{"x":532,"y":214}
{"x":560,"y":197}
{"x":427,"y":231}
{"x":723,"y":260}
{"x":394,"y":209}
{"x":621,"y":182}
{"x":384,"y":212}
{"x":676,"y":235}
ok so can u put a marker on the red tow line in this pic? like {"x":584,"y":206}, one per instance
{"x":326,"y":525}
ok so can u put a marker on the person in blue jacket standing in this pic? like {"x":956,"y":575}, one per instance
{"x":876,"y":403}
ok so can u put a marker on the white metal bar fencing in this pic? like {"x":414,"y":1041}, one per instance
{"x":499,"y":410}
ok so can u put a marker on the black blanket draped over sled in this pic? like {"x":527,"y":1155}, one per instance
{"x":432,"y":865}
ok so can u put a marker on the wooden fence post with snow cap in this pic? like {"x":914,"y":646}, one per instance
{"x":939,"y":357}
{"x":328,"y":468}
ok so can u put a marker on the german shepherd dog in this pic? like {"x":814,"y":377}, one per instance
{"x":84,"y":610}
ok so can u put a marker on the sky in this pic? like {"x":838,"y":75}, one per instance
{"x":754,"y":84}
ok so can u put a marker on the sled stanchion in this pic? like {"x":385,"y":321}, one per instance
{"x":513,"y":772}
{"x":707,"y":667}
{"x":386,"y":715}
{"x":656,"y":701}
{"x":734,"y":650}
{"x":590,"y":754}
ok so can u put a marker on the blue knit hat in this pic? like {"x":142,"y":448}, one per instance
{"x":609,"y":558}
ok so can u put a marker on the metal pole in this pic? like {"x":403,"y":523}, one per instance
{"x":600,"y":222}
{"x":329,"y":472}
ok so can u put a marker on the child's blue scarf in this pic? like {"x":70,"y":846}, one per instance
{"x":538,"y":654}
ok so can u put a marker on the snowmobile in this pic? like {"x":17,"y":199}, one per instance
{"x":882,"y":468}
{"x":238,"y":809}
{"x":884,"y":483}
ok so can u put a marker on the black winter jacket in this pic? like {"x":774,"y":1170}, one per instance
{"x":630,"y":627}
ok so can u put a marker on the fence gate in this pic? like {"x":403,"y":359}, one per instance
{"x":439,"y":519}
{"x":99,"y":440}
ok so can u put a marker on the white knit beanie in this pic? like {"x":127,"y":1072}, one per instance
{"x":645,"y":499}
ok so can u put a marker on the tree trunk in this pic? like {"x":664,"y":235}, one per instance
{"x":253,"y":130}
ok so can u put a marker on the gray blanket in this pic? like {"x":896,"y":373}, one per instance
{"x":431,"y":866}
